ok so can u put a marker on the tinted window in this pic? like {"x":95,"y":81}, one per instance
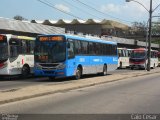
{"x":91,"y":48}
{"x":15,"y":48}
{"x":71,"y":49}
{"x":77,"y":47}
{"x":104,"y":49}
{"x":84,"y":47}
{"x":28,"y":46}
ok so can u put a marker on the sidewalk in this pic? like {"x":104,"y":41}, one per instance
{"x":40,"y":90}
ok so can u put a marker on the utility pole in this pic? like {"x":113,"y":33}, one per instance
{"x":150,"y":35}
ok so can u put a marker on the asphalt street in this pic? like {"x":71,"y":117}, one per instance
{"x":134,"y":95}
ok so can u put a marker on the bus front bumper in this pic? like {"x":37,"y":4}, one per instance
{"x":137,"y":65}
{"x":4,"y":71}
{"x":50,"y":73}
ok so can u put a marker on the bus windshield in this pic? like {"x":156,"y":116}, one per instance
{"x":138,"y":54}
{"x":50,"y":51}
{"x":3,"y":51}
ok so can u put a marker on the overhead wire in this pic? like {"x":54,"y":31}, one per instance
{"x":90,"y":7}
{"x":82,"y":10}
{"x":51,"y":5}
{"x":74,"y":16}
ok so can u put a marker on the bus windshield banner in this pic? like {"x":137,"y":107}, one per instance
{"x":51,"y":38}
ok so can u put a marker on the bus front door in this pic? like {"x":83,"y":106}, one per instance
{"x":70,"y":59}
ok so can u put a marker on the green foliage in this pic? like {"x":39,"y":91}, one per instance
{"x":139,"y":26}
{"x":18,"y":17}
{"x":157,"y":41}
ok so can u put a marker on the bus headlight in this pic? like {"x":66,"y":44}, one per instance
{"x":3,"y":65}
{"x":37,"y":66}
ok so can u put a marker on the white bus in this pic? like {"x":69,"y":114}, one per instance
{"x":16,"y":55}
{"x":123,"y":57}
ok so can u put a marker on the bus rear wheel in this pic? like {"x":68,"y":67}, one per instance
{"x":154,"y":66}
{"x":104,"y":70}
{"x":78,"y":73}
{"x":25,"y":71}
{"x":120,"y":65}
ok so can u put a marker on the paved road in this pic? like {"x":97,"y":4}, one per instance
{"x":16,"y":82}
{"x":136,"y":95}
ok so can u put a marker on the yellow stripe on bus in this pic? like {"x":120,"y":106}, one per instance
{"x":25,"y":38}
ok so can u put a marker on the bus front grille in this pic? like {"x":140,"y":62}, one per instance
{"x":49,"y":65}
{"x":48,"y":68}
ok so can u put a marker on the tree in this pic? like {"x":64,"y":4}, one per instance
{"x":139,"y":30}
{"x":156,"y":32}
{"x":139,"y":26}
{"x":18,"y":17}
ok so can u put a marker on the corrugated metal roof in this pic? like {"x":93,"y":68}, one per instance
{"x":25,"y":26}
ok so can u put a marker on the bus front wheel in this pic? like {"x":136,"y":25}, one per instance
{"x":51,"y":78}
{"x":25,"y":71}
{"x":78,"y":73}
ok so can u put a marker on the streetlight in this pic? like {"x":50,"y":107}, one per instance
{"x":150,"y":30}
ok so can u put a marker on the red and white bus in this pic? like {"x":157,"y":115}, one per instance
{"x":138,"y":58}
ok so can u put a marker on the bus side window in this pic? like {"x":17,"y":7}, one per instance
{"x":94,"y":48}
{"x":151,"y":54}
{"x":24,"y":47}
{"x":70,"y":49}
{"x":114,"y":50}
{"x":32,"y":45}
{"x":127,"y":54}
{"x":104,"y":49}
{"x":124,"y":54}
{"x":77,"y":47}
{"x":107,"y":49}
{"x":91,"y":48}
{"x":156,"y":54}
{"x":84,"y":47}
{"x":14,"y":49}
{"x":119,"y":53}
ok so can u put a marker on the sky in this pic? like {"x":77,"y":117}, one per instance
{"x":118,"y":10}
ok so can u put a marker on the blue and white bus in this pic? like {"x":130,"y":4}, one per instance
{"x":70,"y":55}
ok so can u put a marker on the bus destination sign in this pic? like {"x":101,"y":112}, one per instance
{"x":51,"y":38}
{"x":1,"y":37}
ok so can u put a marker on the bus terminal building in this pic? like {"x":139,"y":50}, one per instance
{"x":111,"y":30}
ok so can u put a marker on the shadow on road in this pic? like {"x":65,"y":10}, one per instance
{"x":43,"y":79}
